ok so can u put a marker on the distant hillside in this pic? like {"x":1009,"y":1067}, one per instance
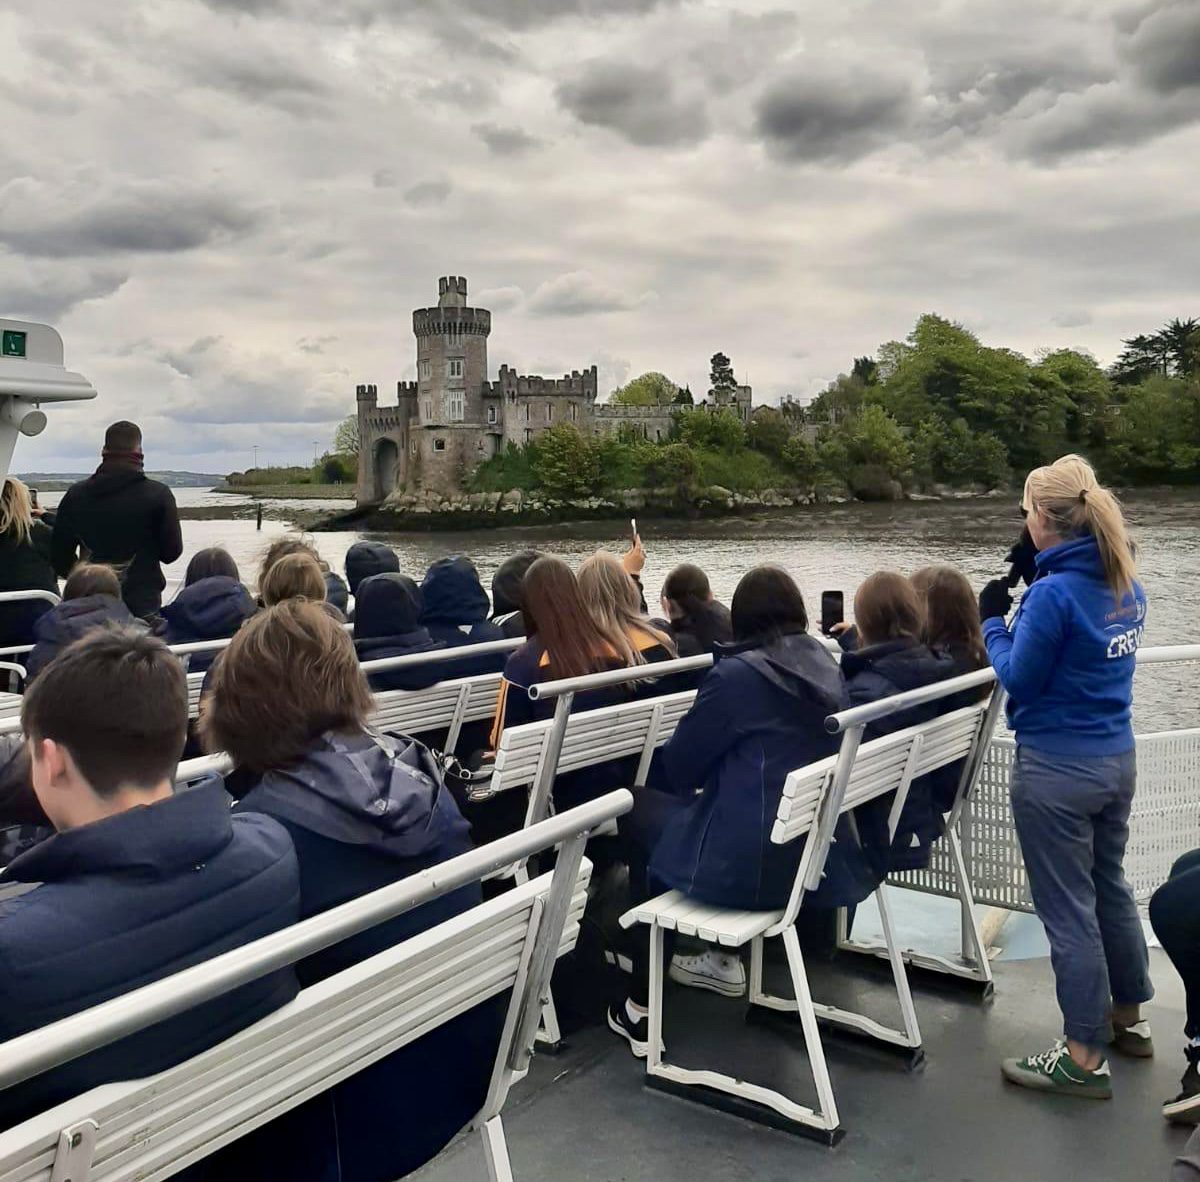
{"x":54,"y":481}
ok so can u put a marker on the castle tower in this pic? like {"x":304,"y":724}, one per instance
{"x":452,"y":374}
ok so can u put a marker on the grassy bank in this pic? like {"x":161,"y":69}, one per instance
{"x":293,"y":492}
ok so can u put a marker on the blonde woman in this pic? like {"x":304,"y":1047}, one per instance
{"x":25,"y":562}
{"x":614,"y":603}
{"x":1067,"y":662}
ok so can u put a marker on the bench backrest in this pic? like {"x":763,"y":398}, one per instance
{"x":814,"y":797}
{"x":151,"y":1128}
{"x":448,"y":704}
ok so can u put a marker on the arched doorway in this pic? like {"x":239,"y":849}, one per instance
{"x":387,"y":467}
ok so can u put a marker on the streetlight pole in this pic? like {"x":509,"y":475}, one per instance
{"x":316,"y":445}
{"x":255,"y":446}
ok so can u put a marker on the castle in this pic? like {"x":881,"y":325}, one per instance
{"x":452,"y":418}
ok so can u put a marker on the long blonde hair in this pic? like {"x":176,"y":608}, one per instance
{"x":16,"y":510}
{"x":611,"y":598}
{"x":1076,"y":504}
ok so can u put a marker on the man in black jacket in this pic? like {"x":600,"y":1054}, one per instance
{"x":119,"y":517}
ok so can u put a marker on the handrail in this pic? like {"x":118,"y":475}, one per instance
{"x":835,"y":724}
{"x":1163,"y":654}
{"x":18,"y":596}
{"x":203,"y":765}
{"x":207,"y":646}
{"x":39,"y":1050}
{"x":462,"y":652}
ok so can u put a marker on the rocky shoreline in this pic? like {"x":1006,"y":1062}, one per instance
{"x":435,"y":512}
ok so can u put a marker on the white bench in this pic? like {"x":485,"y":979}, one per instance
{"x":813,"y":799}
{"x":152,"y":1128}
{"x":447,"y":705}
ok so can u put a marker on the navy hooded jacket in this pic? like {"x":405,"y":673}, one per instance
{"x":365,"y":559}
{"x":71,"y":620}
{"x":365,"y":811}
{"x":759,"y":714}
{"x":129,"y":900}
{"x":880,"y":671}
{"x":387,"y":608}
{"x":1068,"y":660}
{"x":454,"y":607}
{"x":210,"y":609}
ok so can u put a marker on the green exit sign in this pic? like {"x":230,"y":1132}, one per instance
{"x":13,"y":344}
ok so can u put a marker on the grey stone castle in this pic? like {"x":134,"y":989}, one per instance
{"x":452,"y":417}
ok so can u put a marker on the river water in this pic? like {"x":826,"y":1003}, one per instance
{"x":825,"y":548}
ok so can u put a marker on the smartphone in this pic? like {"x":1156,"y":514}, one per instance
{"x":33,"y":498}
{"x":833,"y":609}
{"x":633,"y":529}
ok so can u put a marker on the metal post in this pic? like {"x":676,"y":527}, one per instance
{"x":543,"y":784}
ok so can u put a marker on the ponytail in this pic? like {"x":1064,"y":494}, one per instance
{"x":1078,"y":505}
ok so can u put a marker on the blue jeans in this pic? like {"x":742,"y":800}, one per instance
{"x":1072,"y":818}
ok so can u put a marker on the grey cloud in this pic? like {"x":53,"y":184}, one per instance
{"x":499,"y":299}
{"x":508,"y":14}
{"x":520,"y":14}
{"x":385,"y":178}
{"x":44,"y":290}
{"x":260,"y":76}
{"x":315,"y":345}
{"x":637,"y":103}
{"x":745,"y":49}
{"x":427,"y":194}
{"x":469,"y":93}
{"x":1164,"y":47}
{"x":810,"y":117}
{"x":505,"y":141}
{"x":579,"y":293}
{"x":1072,"y":318}
{"x":132,"y":216}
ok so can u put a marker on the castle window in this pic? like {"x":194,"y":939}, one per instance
{"x":574,"y":412}
{"x":491,"y":414}
{"x":528,"y":435}
{"x":429,"y":408}
{"x":426,"y":370}
{"x":455,"y":411}
{"x":439,"y":445}
{"x":527,"y":415}
{"x":456,"y":367}
{"x":412,"y":447}
{"x":549,"y":412}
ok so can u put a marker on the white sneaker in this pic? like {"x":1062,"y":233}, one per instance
{"x":719,"y":972}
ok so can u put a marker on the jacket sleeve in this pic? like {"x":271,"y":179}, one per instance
{"x":1025,"y":658}
{"x":18,"y":803}
{"x":709,"y":729}
{"x":64,"y":544}
{"x":170,"y":536}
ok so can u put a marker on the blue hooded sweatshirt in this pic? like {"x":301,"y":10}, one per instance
{"x":387,"y":608}
{"x":1068,"y":660}
{"x":71,"y":620}
{"x":210,"y":609}
{"x":455,"y":610}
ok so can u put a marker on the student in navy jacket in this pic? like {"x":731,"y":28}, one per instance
{"x":213,"y":605}
{"x":454,"y":607}
{"x":364,"y":810}
{"x":890,"y":659}
{"x":386,"y":615}
{"x":91,"y":600}
{"x":698,"y":623}
{"x":703,"y":825}
{"x":365,"y":559}
{"x":1067,"y":662}
{"x":138,"y":883}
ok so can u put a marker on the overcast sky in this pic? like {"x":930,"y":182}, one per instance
{"x":230,"y":207}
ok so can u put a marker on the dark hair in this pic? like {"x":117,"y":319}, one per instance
{"x":886,"y":607}
{"x":123,"y":436}
{"x":555,"y":613}
{"x":92,"y":578}
{"x":281,"y":548}
{"x":289,"y":676}
{"x":294,"y":576}
{"x":687,"y":587}
{"x":211,"y":563}
{"x":117,"y":701}
{"x":951,"y":614}
{"x":767,"y":604}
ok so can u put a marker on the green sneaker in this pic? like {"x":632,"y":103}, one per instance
{"x":1134,"y":1041}
{"x":1055,"y":1071}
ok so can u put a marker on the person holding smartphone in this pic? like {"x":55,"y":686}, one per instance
{"x":1067,"y":662}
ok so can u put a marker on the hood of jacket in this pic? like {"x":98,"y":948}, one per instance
{"x":1080,"y":556}
{"x":905,"y":662}
{"x":337,"y":594}
{"x":210,"y":609}
{"x":112,"y":476}
{"x":452,"y":593}
{"x":506,"y":582}
{"x":365,"y":559}
{"x":66,"y":622}
{"x":797,"y":664}
{"x":388,"y":606}
{"x":366,"y":790}
{"x":153,"y":841}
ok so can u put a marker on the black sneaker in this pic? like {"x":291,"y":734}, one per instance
{"x":1185,"y":1108}
{"x":636,"y":1034}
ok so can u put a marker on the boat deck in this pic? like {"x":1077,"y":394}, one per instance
{"x":584,"y":1114}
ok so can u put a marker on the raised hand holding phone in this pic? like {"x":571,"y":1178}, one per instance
{"x":634,"y":559}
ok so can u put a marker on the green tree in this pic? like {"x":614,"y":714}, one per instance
{"x":720,"y":430}
{"x":840,"y":400}
{"x":768,"y":431}
{"x":336,"y":469}
{"x":565,"y":462}
{"x":346,"y":441}
{"x":802,"y":461}
{"x":874,"y":439}
{"x":1075,"y":384}
{"x":684,"y":397}
{"x":651,"y":389}
{"x":675,"y":466}
{"x":723,"y":383}
{"x":866,"y":369}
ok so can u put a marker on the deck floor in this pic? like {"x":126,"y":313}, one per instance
{"x":584,"y":1114}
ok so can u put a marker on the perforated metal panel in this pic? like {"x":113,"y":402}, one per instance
{"x":1164,"y":824}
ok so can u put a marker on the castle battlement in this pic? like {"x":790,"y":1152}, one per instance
{"x":434,"y":322}
{"x":572,"y":385}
